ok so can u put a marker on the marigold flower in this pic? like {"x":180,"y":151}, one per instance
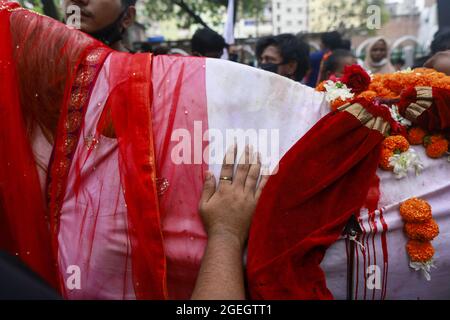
{"x":419,"y":251}
{"x":390,"y":86}
{"x":425,"y":231}
{"x":416,"y":135}
{"x":385,"y":157}
{"x":321,"y":86}
{"x":369,"y":95}
{"x":437,"y":146}
{"x":415,"y":210}
{"x":396,"y":144}
{"x":338,"y":103}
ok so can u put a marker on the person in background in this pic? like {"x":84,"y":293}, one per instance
{"x":346,"y":44}
{"x":285,"y":55}
{"x":207,"y":43}
{"x":333,"y":68}
{"x":441,"y":42}
{"x":378,"y":57}
{"x":105,"y":20}
{"x":329,"y":41}
{"x":440,"y":62}
{"x":398,"y":64}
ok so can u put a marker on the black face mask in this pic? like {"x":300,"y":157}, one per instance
{"x":111,"y":33}
{"x":233,"y":57}
{"x":271,"y":67}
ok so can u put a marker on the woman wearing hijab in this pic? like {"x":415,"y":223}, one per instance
{"x":377,"y":57}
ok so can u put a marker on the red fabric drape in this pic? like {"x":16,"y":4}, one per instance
{"x":23,"y":225}
{"x":321,"y":182}
{"x":130,"y":106}
{"x":47,"y":74}
{"x":435,"y":114}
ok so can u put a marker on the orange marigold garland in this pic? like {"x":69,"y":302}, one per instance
{"x":421,"y":229}
{"x":416,"y":135}
{"x":420,"y":251}
{"x":416,"y":211}
{"x":436,"y":146}
{"x":385,"y":159}
{"x":396,"y":144}
{"x":387,"y":88}
{"x":391,"y":85}
{"x":396,"y":156}
{"x":425,"y":231}
{"x":338,"y":103}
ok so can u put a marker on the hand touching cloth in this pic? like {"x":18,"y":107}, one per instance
{"x":227,"y":211}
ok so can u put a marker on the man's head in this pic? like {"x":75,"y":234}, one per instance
{"x":284,"y":54}
{"x":106,"y":20}
{"x":331,"y":40}
{"x":441,"y":41}
{"x":207,"y":43}
{"x":336,"y":63}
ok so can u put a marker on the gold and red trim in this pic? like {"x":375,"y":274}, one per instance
{"x":69,"y":130}
{"x":424,"y":100}
{"x":367,"y":119}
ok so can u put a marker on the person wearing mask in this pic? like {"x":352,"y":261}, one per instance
{"x":378,"y":57}
{"x":285,"y":55}
{"x":105,"y":20}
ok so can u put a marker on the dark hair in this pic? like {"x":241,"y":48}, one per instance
{"x":441,"y":41}
{"x":331,"y":40}
{"x":207,"y":40}
{"x":291,"y":48}
{"x":127,"y":3}
{"x":332,"y":63}
{"x":346,"y":44}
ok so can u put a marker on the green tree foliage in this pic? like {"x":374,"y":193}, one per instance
{"x":188,"y":12}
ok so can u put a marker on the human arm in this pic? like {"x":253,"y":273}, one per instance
{"x":227,"y":211}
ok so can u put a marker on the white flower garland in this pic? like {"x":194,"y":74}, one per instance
{"x":336,"y":90}
{"x":402,"y":162}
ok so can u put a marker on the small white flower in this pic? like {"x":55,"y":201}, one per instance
{"x":335,"y":90}
{"x":402,"y":162}
{"x":397,"y":116}
{"x":406,"y":71}
{"x":425,"y":267}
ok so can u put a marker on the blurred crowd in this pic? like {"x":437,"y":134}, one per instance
{"x":293,"y":57}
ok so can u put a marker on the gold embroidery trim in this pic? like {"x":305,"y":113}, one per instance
{"x":424,"y":101}
{"x":424,"y":93}
{"x":366,"y":118}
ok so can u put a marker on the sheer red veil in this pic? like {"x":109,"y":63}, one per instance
{"x":47,"y":74}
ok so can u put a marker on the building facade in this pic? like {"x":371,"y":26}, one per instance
{"x":290,"y":16}
{"x":328,"y":15}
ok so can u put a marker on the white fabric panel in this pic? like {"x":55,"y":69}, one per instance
{"x":242,"y":97}
{"x":256,"y":100}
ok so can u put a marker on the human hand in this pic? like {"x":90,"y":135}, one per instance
{"x":440,"y":62}
{"x":227,"y":209}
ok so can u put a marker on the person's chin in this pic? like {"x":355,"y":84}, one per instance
{"x":87,"y":27}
